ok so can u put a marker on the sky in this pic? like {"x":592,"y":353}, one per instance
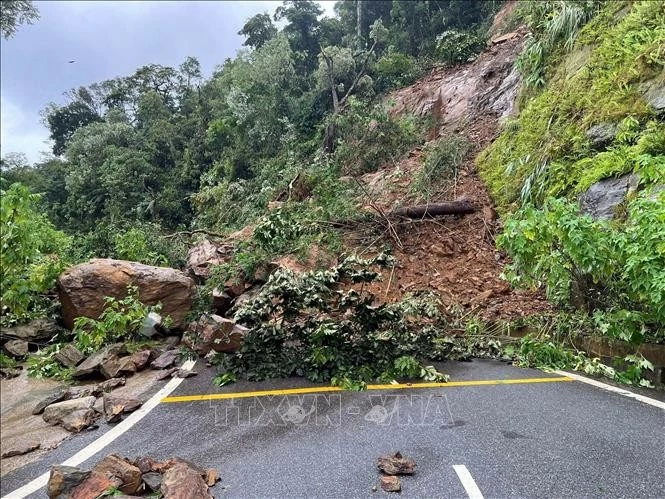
{"x":107,"y":39}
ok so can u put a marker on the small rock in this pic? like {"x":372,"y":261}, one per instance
{"x":50,"y":399}
{"x":602,"y":134}
{"x":184,"y":373}
{"x":92,"y":364}
{"x":390,"y":484}
{"x":221,"y":301}
{"x":108,"y":385}
{"x":20,"y":449}
{"x":140,"y":359}
{"x":117,"y":366}
{"x":213,"y":332}
{"x":98,"y":407}
{"x":181,"y":481}
{"x":77,"y":421}
{"x":114,"y":406}
{"x":94,"y":486}
{"x":153,"y":480}
{"x":39,"y":330}
{"x":69,"y":356}
{"x":165,"y":360}
{"x":55,"y":413}
{"x":63,"y":479}
{"x":172,"y":341}
{"x":396,"y":464}
{"x":166,"y":373}
{"x":212,"y":477}
{"x":17,"y":348}
{"x":77,"y":392}
{"x":116,"y":466}
{"x":9,"y":372}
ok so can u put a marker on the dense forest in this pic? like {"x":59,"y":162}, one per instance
{"x":144,"y":164}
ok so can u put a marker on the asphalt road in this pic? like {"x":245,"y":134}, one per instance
{"x":532,"y":439}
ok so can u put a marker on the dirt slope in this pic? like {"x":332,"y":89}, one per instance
{"x":455,"y":256}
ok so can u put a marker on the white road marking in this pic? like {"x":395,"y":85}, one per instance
{"x":615,"y":389}
{"x":108,"y":437}
{"x":468,"y":483}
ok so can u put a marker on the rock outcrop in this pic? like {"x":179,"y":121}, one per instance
{"x":602,"y":198}
{"x":83,"y":287}
{"x":204,"y":255}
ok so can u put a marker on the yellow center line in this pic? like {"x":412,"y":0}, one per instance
{"x":323,"y":389}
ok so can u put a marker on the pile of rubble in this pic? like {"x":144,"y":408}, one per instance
{"x":391,"y":466}
{"x":120,"y":477}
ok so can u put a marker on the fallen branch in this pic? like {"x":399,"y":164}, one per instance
{"x":434,"y":210}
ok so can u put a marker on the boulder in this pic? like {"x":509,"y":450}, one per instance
{"x":116,"y":466}
{"x":55,"y":413}
{"x":167,"y":359}
{"x":77,"y":421}
{"x":108,"y":385}
{"x":95,"y":486}
{"x":181,"y":481}
{"x":602,"y":198}
{"x":69,"y":356}
{"x":221,"y":301}
{"x":653,"y":92}
{"x":63,"y":479}
{"x":82,"y":288}
{"x":212,"y":332}
{"x":115,"y":366}
{"x":140,"y":359}
{"x":115,"y":406}
{"x":48,"y":400}
{"x":152,"y":480}
{"x":37,"y":331}
{"x":17,"y":348}
{"x":93,"y":364}
{"x":204,"y":255}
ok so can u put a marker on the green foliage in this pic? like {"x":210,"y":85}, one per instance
{"x":277,"y":230}
{"x":616,"y":272}
{"x":545,"y":152}
{"x":456,"y":47}
{"x":368,"y":137}
{"x":120,"y":320}
{"x":553,"y":24}
{"x":42,"y":364}
{"x":14,"y":13}
{"x":396,"y":69}
{"x":6,"y":361}
{"x":440,"y":166}
{"x":303,"y":324}
{"x":29,"y":260}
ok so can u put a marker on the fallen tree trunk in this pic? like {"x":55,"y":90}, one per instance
{"x":434,"y":210}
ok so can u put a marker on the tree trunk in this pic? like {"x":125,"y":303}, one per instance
{"x":434,"y":210}
{"x":359,"y":25}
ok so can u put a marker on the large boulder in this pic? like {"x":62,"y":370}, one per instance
{"x":214,"y":333}
{"x":204,"y":255}
{"x":61,"y":411}
{"x":603,"y":197}
{"x":83,"y":287}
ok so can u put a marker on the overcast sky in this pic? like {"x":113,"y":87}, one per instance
{"x":107,"y":39}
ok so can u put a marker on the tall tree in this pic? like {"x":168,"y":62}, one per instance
{"x":258,"y":30}
{"x":14,"y":13}
{"x":302,"y":29}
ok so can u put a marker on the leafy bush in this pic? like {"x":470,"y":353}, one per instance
{"x":456,"y":47}
{"x":616,"y":272}
{"x":368,"y":138}
{"x":43,"y":364}
{"x":440,"y":166}
{"x":29,"y":256}
{"x":120,"y":320}
{"x":396,"y":69}
{"x":302,"y":324}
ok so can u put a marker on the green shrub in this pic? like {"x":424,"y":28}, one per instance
{"x":302,"y":324}
{"x":396,"y":69}
{"x":120,"y":320}
{"x":30,"y":253}
{"x":616,"y":272}
{"x":457,"y":47}
{"x":440,"y":166}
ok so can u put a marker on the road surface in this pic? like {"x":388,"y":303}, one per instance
{"x":497,"y":431}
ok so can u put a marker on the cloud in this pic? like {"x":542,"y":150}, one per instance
{"x":21,"y":132}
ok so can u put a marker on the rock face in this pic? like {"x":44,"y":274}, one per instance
{"x":212,"y":332}
{"x":83,"y":287}
{"x":454,"y":95}
{"x":204,"y":255}
{"x":602,"y":198}
{"x":184,"y":482}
